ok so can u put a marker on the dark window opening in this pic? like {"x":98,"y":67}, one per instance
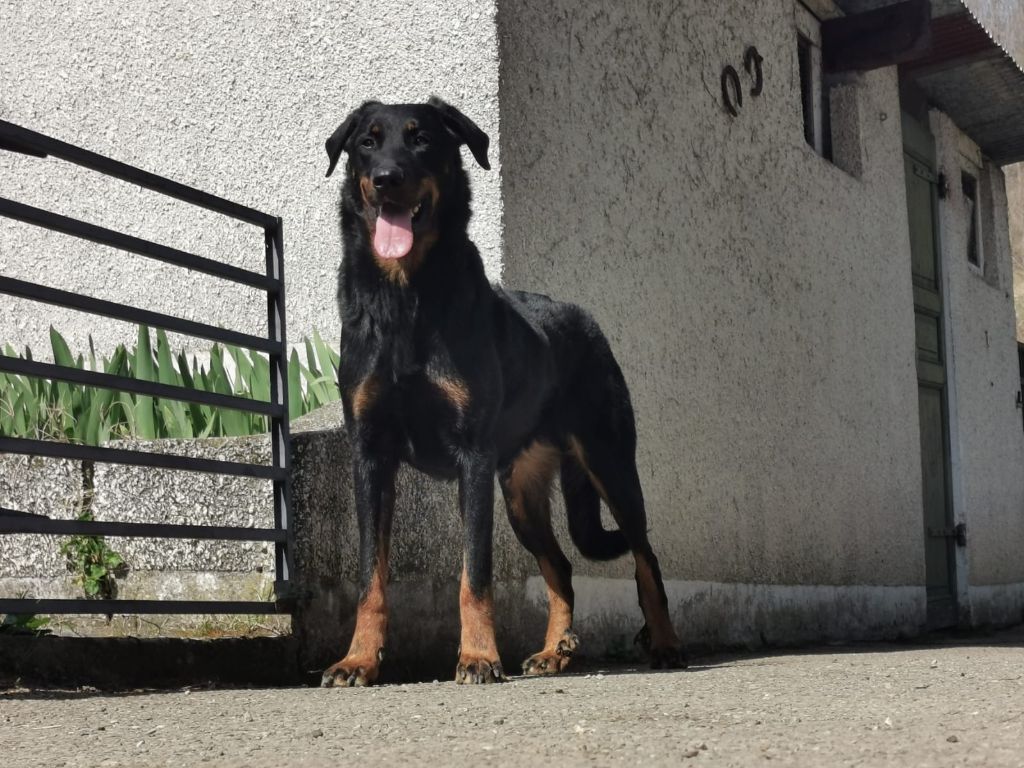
{"x":826,"y":120}
{"x":806,"y":86}
{"x":969,"y":184}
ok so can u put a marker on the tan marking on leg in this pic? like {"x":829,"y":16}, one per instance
{"x":365,"y":395}
{"x":576,"y":449}
{"x":560,"y":642}
{"x":372,"y":617}
{"x":361,"y":664}
{"x":478,"y":649}
{"x":454,"y":391}
{"x":534,"y":469}
{"x":559,"y":608}
{"x":477,"y":614}
{"x":528,"y":487}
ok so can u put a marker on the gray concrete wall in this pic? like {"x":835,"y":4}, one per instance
{"x":757,"y":296}
{"x":993,"y":497}
{"x":1005,"y":21}
{"x":235,"y":98}
{"x":1015,"y":198}
{"x":987,"y":440}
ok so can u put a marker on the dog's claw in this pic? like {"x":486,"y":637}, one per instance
{"x":479,"y":672}
{"x":343,"y":675}
{"x":550,"y":662}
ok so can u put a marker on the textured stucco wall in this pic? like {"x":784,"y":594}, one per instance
{"x":1005,"y":20}
{"x":1015,"y":198}
{"x":757,"y":296}
{"x":987,"y":441}
{"x":235,"y":98}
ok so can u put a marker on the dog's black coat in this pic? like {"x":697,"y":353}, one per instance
{"x":462,"y":379}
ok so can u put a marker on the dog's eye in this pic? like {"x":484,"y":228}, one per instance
{"x":421,"y":140}
{"x":368,"y":143}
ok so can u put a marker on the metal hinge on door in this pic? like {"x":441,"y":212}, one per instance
{"x":924,"y":173}
{"x":958,"y":532}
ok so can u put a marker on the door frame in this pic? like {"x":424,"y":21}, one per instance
{"x":947,"y":615}
{"x":958,"y":509}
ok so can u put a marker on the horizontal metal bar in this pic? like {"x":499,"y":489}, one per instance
{"x":96,"y":234}
{"x":57,"y":450}
{"x":26,"y":290}
{"x":126,"y":384}
{"x":15,"y":513}
{"x":13,"y":146}
{"x":27,"y":523}
{"x":45,"y":606}
{"x":26,"y":139}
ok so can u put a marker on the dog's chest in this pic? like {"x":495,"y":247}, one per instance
{"x":428,"y":416}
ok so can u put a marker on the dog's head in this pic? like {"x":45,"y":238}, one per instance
{"x":402,"y":158}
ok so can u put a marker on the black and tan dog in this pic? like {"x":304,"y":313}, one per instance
{"x":462,"y":380}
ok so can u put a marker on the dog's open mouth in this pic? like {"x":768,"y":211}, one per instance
{"x":393,"y":234}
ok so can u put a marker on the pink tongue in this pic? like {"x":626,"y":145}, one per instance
{"x":393,"y":236}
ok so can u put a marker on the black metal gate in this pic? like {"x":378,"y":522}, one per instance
{"x":15,"y":138}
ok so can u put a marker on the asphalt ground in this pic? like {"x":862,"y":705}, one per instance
{"x":934,"y":705}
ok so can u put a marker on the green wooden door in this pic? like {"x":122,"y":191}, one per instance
{"x":940,"y":561}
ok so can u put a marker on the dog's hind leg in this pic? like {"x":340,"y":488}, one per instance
{"x":604,"y":445}
{"x":526,"y":486}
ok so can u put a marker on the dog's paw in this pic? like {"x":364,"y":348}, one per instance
{"x":554,"y":660}
{"x":472,"y":671}
{"x":351,"y":673}
{"x":668,"y":657}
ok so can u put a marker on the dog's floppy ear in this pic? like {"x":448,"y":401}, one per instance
{"x":338,"y":141}
{"x":465,"y":130}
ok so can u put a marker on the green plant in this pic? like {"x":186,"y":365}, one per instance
{"x":42,"y":409}
{"x":24,"y":624}
{"x":94,"y":565}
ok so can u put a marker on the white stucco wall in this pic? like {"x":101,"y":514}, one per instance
{"x":1015,"y":200}
{"x":1005,"y":21}
{"x":235,"y":98}
{"x":757,"y":296}
{"x":987,"y":438}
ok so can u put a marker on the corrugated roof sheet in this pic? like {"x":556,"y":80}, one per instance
{"x":969,"y":76}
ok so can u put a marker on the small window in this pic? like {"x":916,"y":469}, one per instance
{"x":806,"y":87}
{"x":814,"y":98}
{"x":972,"y":213}
{"x":828,"y":102}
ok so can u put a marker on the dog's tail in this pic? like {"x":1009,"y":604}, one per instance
{"x":583,"y":506}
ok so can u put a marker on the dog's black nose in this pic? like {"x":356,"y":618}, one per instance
{"x":387,"y":177}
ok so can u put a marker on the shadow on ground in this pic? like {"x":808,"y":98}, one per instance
{"x":72,"y":667}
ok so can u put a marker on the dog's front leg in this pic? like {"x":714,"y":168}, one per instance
{"x":478,"y":651}
{"x":374,"y":483}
